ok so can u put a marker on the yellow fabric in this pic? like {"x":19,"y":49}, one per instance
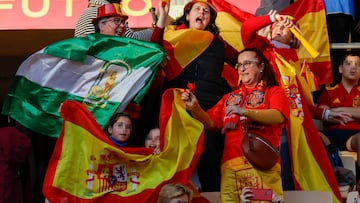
{"x":314,"y":24}
{"x":230,"y":29}
{"x":187,"y":44}
{"x":310,"y":177}
{"x":83,"y":170}
{"x":238,"y":173}
{"x":305,"y":43}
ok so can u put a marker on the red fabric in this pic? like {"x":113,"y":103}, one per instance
{"x":15,"y":148}
{"x":274,"y":98}
{"x":338,"y":97}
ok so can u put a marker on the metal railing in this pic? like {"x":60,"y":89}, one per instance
{"x":353,"y":45}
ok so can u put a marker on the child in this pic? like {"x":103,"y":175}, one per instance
{"x":152,"y":139}
{"x":120,"y":128}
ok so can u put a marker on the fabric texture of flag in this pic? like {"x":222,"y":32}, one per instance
{"x":305,"y":150}
{"x":105,"y":73}
{"x":182,"y":54}
{"x":87,"y":167}
{"x":311,"y":18}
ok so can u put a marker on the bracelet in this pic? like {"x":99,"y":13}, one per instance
{"x":326,"y":114}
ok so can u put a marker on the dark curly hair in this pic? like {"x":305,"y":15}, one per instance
{"x":210,"y":27}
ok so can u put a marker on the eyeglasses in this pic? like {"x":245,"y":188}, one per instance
{"x":246,"y":64}
{"x":116,"y":21}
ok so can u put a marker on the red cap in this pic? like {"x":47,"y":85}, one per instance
{"x":208,"y":2}
{"x":109,"y":10}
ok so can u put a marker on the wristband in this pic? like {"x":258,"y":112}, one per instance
{"x":326,"y":114}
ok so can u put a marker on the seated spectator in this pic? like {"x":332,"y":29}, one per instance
{"x":175,"y":193}
{"x":344,"y":97}
{"x":120,"y":129}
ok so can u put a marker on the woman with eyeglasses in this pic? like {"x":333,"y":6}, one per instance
{"x":196,"y":54}
{"x":256,"y":107}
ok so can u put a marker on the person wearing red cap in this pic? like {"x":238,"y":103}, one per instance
{"x":85,"y":26}
{"x":109,"y":20}
{"x":203,"y":70}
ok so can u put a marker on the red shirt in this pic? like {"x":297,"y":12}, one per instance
{"x":338,"y":97}
{"x":273,"y":98}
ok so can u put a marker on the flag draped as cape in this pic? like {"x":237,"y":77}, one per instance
{"x":103,"y":72}
{"x":87,"y":167}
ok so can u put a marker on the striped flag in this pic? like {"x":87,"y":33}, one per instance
{"x":305,"y":145}
{"x":104,"y":73}
{"x":310,"y":14}
{"x":96,"y":170}
{"x":182,"y":54}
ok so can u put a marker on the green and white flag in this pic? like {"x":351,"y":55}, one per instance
{"x":104,"y":73}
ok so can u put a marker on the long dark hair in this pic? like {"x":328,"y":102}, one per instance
{"x":210,"y":27}
{"x":268,"y":76}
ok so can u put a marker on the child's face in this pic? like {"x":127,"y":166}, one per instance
{"x":281,"y":33}
{"x":121,"y":130}
{"x":153,"y":139}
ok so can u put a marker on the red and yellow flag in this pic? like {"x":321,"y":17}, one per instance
{"x":87,"y":167}
{"x":182,"y":47}
{"x":309,"y":14}
{"x":305,"y":145}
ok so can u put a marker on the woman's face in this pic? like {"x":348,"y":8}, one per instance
{"x":281,"y":33}
{"x":113,"y":26}
{"x":199,"y":16}
{"x":249,"y":68}
{"x":121,"y":130}
{"x":153,"y":139}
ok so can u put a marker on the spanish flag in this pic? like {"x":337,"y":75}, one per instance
{"x":309,"y":14}
{"x":87,"y":167}
{"x":311,"y":171}
{"x":193,"y":44}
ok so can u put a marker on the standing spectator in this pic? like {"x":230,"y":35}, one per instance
{"x":203,"y":69}
{"x":256,"y":107}
{"x":355,"y":37}
{"x":340,"y":17}
{"x":85,"y":26}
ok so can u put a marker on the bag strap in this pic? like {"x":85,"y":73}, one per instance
{"x":251,"y":142}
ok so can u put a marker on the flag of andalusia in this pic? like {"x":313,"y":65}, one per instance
{"x":104,"y":73}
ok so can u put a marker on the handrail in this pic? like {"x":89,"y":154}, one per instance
{"x":353,"y":45}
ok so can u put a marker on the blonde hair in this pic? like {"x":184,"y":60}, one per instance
{"x":173,"y":190}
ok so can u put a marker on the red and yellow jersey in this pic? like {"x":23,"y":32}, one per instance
{"x":273,"y":98}
{"x":337,"y":96}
